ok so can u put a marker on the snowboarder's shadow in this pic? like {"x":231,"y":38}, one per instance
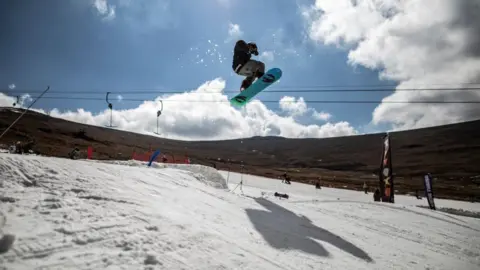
{"x":283,"y":229}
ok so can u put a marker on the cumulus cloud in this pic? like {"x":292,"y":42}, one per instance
{"x":6,"y":101}
{"x":206,"y":114}
{"x":324,"y":116}
{"x":12,"y":86}
{"x":9,"y":101}
{"x":421,"y":44}
{"x":294,"y":107}
{"x":104,"y":9}
{"x":234,"y":32}
{"x":267,"y":56}
{"x":141,"y":16}
{"x":298,"y":107}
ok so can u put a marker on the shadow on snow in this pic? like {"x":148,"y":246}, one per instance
{"x":283,"y":229}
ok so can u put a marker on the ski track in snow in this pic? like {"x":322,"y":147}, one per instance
{"x":68,"y":214}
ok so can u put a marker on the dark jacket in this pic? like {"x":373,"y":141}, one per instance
{"x":241,"y":54}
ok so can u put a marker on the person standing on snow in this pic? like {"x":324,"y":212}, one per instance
{"x":244,"y":66}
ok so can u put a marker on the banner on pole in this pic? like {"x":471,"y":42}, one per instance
{"x":386,"y":172}
{"x":427,"y":181}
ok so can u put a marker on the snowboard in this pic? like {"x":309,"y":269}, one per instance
{"x":270,"y":77}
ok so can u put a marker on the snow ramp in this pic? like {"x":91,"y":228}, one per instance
{"x":78,"y":214}
{"x":207,"y":175}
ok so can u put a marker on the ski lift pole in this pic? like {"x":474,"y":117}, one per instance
{"x":228,"y":174}
{"x":110,"y":106}
{"x":25,"y":111}
{"x":159,"y":112}
{"x":241,"y":180}
{"x":241,"y":175}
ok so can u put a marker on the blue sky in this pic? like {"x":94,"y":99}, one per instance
{"x":153,"y":44}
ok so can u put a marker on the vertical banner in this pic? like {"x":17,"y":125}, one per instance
{"x":427,"y":181}
{"x":386,"y":172}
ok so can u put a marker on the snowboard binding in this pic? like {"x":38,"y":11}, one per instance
{"x":249,"y":80}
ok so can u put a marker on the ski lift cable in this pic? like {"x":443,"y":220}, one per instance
{"x":277,"y":101}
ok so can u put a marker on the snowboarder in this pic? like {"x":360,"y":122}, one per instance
{"x":244,"y":66}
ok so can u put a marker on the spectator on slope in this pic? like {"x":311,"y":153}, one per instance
{"x":286,"y":179}
{"x":376,"y":195}
{"x":417,"y":194}
{"x":18,"y":148}
{"x":365,"y":187}
{"x":74,"y":153}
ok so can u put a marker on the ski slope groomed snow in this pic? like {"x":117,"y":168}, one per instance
{"x":67,"y":214}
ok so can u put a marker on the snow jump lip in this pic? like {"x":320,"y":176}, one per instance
{"x":208,"y":175}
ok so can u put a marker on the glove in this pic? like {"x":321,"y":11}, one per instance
{"x":253,"y":48}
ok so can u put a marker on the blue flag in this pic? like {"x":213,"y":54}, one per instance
{"x":154,"y":156}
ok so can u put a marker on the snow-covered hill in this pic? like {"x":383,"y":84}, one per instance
{"x":69,"y":214}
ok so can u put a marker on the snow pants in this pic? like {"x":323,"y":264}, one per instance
{"x":250,"y":67}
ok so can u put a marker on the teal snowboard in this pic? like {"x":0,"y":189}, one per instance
{"x":258,"y":86}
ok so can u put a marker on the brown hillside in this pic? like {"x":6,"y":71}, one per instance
{"x":451,"y":153}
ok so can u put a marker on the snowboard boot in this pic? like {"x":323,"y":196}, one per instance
{"x":257,"y":75}
{"x":246,"y":83}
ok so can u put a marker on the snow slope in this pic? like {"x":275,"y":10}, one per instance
{"x":69,"y":214}
{"x":308,"y":192}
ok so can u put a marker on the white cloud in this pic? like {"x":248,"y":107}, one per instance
{"x":6,"y":101}
{"x":234,"y":32}
{"x":12,"y":86}
{"x":324,"y":116}
{"x":298,"y":107}
{"x":294,"y":107}
{"x":140,"y":16}
{"x":104,"y":9}
{"x":267,"y":56}
{"x":205,"y":114}
{"x":421,"y":44}
{"x":24,"y":99}
{"x":9,"y":101}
